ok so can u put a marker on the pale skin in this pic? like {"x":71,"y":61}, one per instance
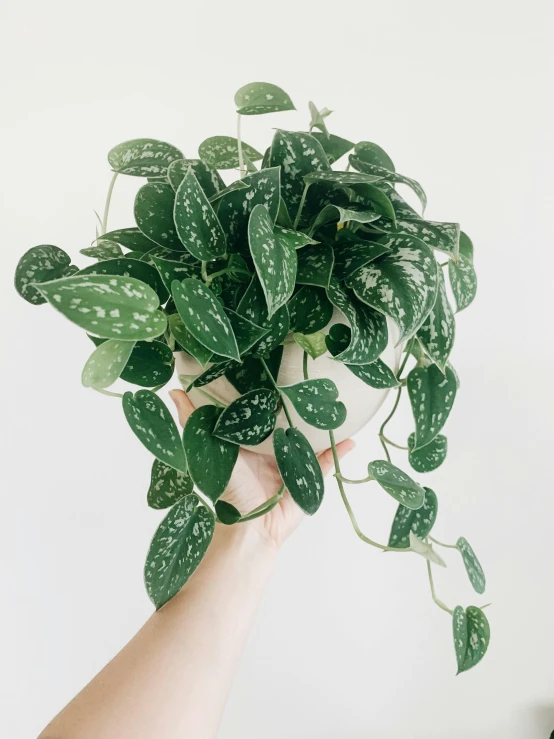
{"x":172,"y":679}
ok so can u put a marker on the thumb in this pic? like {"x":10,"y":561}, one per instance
{"x":183,"y":405}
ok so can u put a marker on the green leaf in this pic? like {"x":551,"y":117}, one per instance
{"x":463,"y":280}
{"x":197,"y":224}
{"x":334,"y":147}
{"x":352,"y":253}
{"x":274,"y":259}
{"x":253,"y":307}
{"x":39,"y":264}
{"x":237,"y":185}
{"x":256,"y":98}
{"x":296,"y":239}
{"x":341,"y":179}
{"x":316,"y":402}
{"x":444,"y":237}
{"x":472,"y":565}
{"x":110,"y":306}
{"x":315,"y":264}
{"x":372,"y":153}
{"x":212,"y":373}
{"x":106,"y":363}
{"x":431,"y":395}
{"x":143,"y":157}
{"x":420,"y":522}
{"x":171,"y":270}
{"x":177,"y":548}
{"x":208,"y":178}
{"x":203,"y":315}
{"x":402,"y":284}
{"x":401,"y":208}
{"x":317,"y":120}
{"x":299,"y":468}
{"x":150,"y":364}
{"x":128,"y":267}
{"x":167,"y":486}
{"x":252,"y":374}
{"x":246,"y":333}
{"x":130,"y":238}
{"x":153,"y":425}
{"x":248,"y":420}
{"x":397,"y":484}
{"x":297,"y":154}
{"x":283,"y":217}
{"x":427,"y":458}
{"x":471,"y":636}
{"x":312,"y":344}
{"x":438,"y":330}
{"x":389,"y":176}
{"x":379,"y":201}
{"x":227,"y":513}
{"x":425,"y":549}
{"x":375,"y":374}
{"x":221,"y":152}
{"x":343,"y":215}
{"x":154,"y":206}
{"x":187,"y":341}
{"x":369,"y":328}
{"x":210,"y":460}
{"x":103,"y":249}
{"x":310,"y":310}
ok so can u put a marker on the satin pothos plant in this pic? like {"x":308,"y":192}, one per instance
{"x":229,"y":272}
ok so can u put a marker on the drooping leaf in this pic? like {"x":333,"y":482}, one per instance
{"x":39,"y":264}
{"x":248,"y":420}
{"x":341,"y":179}
{"x":154,"y":206}
{"x":106,"y":363}
{"x":372,"y":153}
{"x":212,"y":373}
{"x":257,"y":98}
{"x":420,"y":522}
{"x":208,"y":178}
{"x":389,"y":176}
{"x":471,"y":636}
{"x":352,"y":253}
{"x":402,"y":284}
{"x":283,"y":218}
{"x":299,"y":468}
{"x":171,"y":270}
{"x":315,"y":264}
{"x":463,"y":278}
{"x":336,"y":213}
{"x":274,"y":259}
{"x":150,"y":364}
{"x":432,"y":395}
{"x":143,"y":157}
{"x":312,"y":344}
{"x":130,"y":238}
{"x":374,"y":197}
{"x":187,"y":341}
{"x":438,"y":330}
{"x":310,"y":310}
{"x":444,"y":237}
{"x":254,"y":308}
{"x":425,"y":549}
{"x":204,"y":317}
{"x":227,"y":513}
{"x":316,"y":402}
{"x":221,"y":152}
{"x":103,"y":249}
{"x":153,"y":425}
{"x":369,"y":329}
{"x":252,"y":374}
{"x":376,"y":374}
{"x":177,"y":548}
{"x":197,"y":225}
{"x":246,"y":333}
{"x":110,"y":306}
{"x":472,"y":565}
{"x":427,"y":458}
{"x":334,"y":146}
{"x":237,"y":185}
{"x":210,"y":460}
{"x":397,"y":484}
{"x":128,"y":267}
{"x":167,"y":486}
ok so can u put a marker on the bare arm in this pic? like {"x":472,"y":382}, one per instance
{"x":173,"y":677}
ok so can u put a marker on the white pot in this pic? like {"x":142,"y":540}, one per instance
{"x":362,"y":402}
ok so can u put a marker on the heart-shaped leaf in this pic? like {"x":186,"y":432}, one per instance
{"x":352,"y":253}
{"x":438,"y":330}
{"x":375,"y":374}
{"x":39,"y":264}
{"x":444,"y":237}
{"x":106,"y":363}
{"x":429,"y":457}
{"x":333,"y":212}
{"x":252,"y":374}
{"x":154,"y":205}
{"x":103,"y":249}
{"x":397,"y":484}
{"x":462,"y":274}
{"x":197,"y":224}
{"x":372,"y":153}
{"x":402,"y":284}
{"x":153,"y":425}
{"x":310,"y":310}
{"x":110,"y":306}
{"x":187,"y":341}
{"x":227,"y":513}
{"x":257,"y":98}
{"x":171,"y":270}
{"x":130,"y":238}
{"x":210,"y":460}
{"x":312,"y":344}
{"x":128,"y":267}
{"x":177,"y":548}
{"x":341,"y":179}
{"x":315,"y":265}
{"x":431,"y":395}
{"x":369,"y":328}
{"x":425,"y":549}
{"x":204,"y":317}
{"x":221,"y":152}
{"x":471,"y":636}
{"x":253,"y":307}
{"x":316,"y":402}
{"x":167,"y":486}
{"x":208,"y":178}
{"x":420,"y":522}
{"x":274,"y":259}
{"x":389,"y":176}
{"x":334,"y":146}
{"x":143,"y":157}
{"x":246,"y":333}
{"x":248,"y":420}
{"x":472,"y":565}
{"x":150,"y":364}
{"x":299,"y":468}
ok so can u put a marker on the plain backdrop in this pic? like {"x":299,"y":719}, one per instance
{"x":348,"y":643}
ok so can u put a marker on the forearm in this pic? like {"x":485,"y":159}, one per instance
{"x":173,"y":677}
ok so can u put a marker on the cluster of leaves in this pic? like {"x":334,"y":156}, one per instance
{"x":226,"y":273}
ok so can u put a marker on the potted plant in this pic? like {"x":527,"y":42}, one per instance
{"x":291,"y":299}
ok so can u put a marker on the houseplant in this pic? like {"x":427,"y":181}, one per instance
{"x":291,"y":259}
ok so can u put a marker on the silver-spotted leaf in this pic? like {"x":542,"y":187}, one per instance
{"x":296,"y":239}
{"x":299,"y":468}
{"x":420,"y":522}
{"x":212,"y":373}
{"x":187,"y":341}
{"x":221,"y":152}
{"x":473,"y":566}
{"x":257,"y":98}
{"x":197,"y":225}
{"x":336,"y":213}
{"x":389,"y":176}
{"x":432,"y":395}
{"x":315,"y":265}
{"x":154,"y":205}
{"x":427,"y":458}
{"x":372,"y":153}
{"x":150,"y":364}
{"x":334,"y":146}
{"x":444,"y":237}
{"x":208,"y":178}
{"x":167,"y":486}
{"x":103,"y":249}
{"x":374,"y":197}
{"x":143,"y":157}
{"x":310,"y":310}
{"x":352,"y":253}
{"x":397,"y":484}
{"x":106,"y":363}
{"x":254,"y":308}
{"x":39,"y":264}
{"x":316,"y":401}
{"x":130,"y":238}
{"x":472,"y":635}
{"x":248,"y":420}
{"x":237,"y":185}
{"x":129,"y":267}
{"x":171,"y":270}
{"x":341,"y":179}
{"x":376,"y":374}
{"x":438,"y":330}
{"x":312,"y":344}
{"x":178,"y":546}
{"x":461,"y":273}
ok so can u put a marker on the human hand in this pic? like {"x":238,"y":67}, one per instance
{"x":256,"y":478}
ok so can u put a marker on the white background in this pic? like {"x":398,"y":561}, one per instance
{"x":348,"y":643}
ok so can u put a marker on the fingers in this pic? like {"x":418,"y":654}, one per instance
{"x":326,"y":458}
{"x":183,"y":405}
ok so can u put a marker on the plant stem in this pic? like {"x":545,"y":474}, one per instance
{"x":106,"y":392}
{"x":305,"y":365}
{"x":239,"y":146}
{"x":107,"y":205}
{"x":439,"y":602}
{"x":285,"y":409}
{"x":340,"y":477}
{"x":396,"y":446}
{"x":441,"y":544}
{"x":382,"y":437}
{"x":204,"y":272}
{"x":301,"y":206}
{"x":264,"y":507}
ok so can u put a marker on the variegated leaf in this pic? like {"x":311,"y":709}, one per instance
{"x":372,"y":153}
{"x":296,"y":239}
{"x":167,"y":486}
{"x":208,"y":178}
{"x":150,"y":364}
{"x":154,"y":206}
{"x":420,"y":522}
{"x":438,"y":330}
{"x":397,"y":484}
{"x":373,"y":197}
{"x":463,"y":278}
{"x":237,"y":185}
{"x":299,"y":468}
{"x":472,"y":565}
{"x":254,"y":308}
{"x":316,"y":402}
{"x":401,"y":208}
{"x":257,"y":98}
{"x":251,"y":373}
{"x":310,"y":310}
{"x":221,"y":152}
{"x":352,"y":253}
{"x":143,"y":157}
{"x":213,"y":373}
{"x":343,"y":215}
{"x":444,"y":237}
{"x":197,"y":225}
{"x":312,"y":344}
{"x":334,"y":146}
{"x":375,"y":374}
{"x":187,"y":341}
{"x":471,"y":636}
{"x":130,"y":238}
{"x":389,"y":176}
{"x":315,"y":265}
{"x":248,"y":420}
{"x":341,"y":179}
{"x":170,"y":270}
{"x":106,"y":363}
{"x":129,"y":267}
{"x":39,"y":264}
{"x":402,"y":284}
{"x":432,"y":395}
{"x":103,"y":249}
{"x":427,"y":458}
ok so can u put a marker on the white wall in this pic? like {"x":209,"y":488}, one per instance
{"x":348,"y":643}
